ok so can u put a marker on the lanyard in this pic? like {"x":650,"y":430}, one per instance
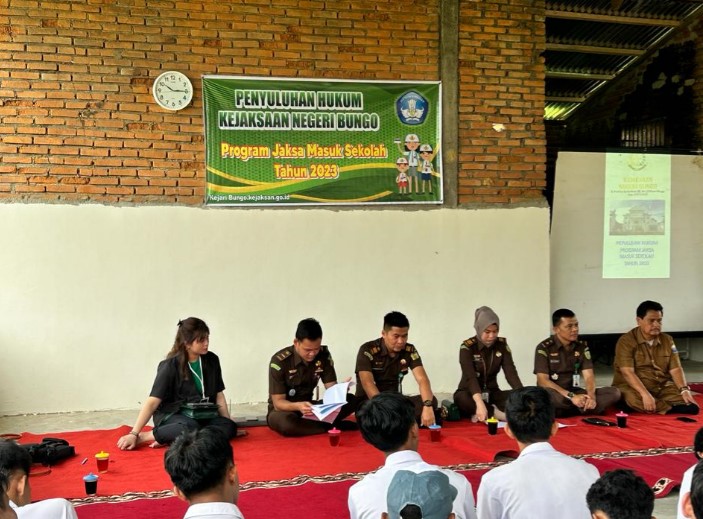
{"x":488,"y":368}
{"x":199,"y":377}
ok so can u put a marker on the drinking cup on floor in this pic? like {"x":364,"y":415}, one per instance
{"x":334,"y":436}
{"x":435,"y":433}
{"x":103,"y":459}
{"x":492,"y":424}
{"x":622,"y":419}
{"x":91,"y":484}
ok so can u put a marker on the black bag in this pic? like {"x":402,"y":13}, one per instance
{"x":200,"y":410}
{"x":50,"y":451}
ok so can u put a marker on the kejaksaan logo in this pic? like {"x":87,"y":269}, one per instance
{"x":411,"y":108}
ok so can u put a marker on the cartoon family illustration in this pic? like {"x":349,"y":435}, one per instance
{"x":416,"y":164}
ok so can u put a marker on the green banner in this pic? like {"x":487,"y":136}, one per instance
{"x":305,"y":142}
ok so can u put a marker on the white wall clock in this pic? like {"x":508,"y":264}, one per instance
{"x":172,"y":90}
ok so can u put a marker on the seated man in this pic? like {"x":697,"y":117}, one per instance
{"x":647,"y":367}
{"x":564,"y":368}
{"x":423,"y":495}
{"x":294,"y":373}
{"x":620,"y":494}
{"x":202,"y":470}
{"x":541,"y":482}
{"x":381,"y":365}
{"x":16,"y":462}
{"x":387,"y":422}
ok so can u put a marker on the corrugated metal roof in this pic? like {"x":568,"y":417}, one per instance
{"x":591,"y":42}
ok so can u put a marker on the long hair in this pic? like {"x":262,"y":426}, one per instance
{"x":189,"y":330}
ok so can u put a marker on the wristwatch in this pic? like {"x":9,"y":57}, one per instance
{"x":427,"y":403}
{"x":570,"y":395}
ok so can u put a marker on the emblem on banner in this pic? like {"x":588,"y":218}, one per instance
{"x":411,"y":108}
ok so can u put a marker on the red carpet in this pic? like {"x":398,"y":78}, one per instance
{"x":653,"y":445}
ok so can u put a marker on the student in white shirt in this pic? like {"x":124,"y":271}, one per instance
{"x":16,"y":462}
{"x":541,"y":482}
{"x":686,"y":481}
{"x":201,"y":466}
{"x":692,"y":506}
{"x":387,"y":422}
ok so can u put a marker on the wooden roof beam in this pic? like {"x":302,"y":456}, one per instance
{"x":605,"y":18}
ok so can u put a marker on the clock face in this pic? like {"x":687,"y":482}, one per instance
{"x":173,"y":90}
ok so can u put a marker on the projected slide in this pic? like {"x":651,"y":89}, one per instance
{"x":626,"y":227}
{"x":637,"y":205}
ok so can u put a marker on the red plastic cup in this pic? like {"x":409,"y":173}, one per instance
{"x":435,"y":433}
{"x":334,"y":436}
{"x":103,"y":459}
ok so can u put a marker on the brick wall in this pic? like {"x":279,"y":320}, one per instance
{"x":78,"y":122}
{"x":501,"y":82}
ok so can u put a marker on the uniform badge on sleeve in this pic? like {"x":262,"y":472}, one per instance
{"x":368,"y":355}
{"x":276,"y":366}
{"x":673,"y":348}
{"x":414,"y":356}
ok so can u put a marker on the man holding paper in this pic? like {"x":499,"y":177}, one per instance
{"x":294,"y":373}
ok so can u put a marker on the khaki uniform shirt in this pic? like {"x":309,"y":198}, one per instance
{"x":651,"y":363}
{"x":480,"y":365}
{"x":387,"y":371}
{"x":290,"y":375}
{"x":561,"y":362}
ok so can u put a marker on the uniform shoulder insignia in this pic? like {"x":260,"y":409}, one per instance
{"x":409,"y":347}
{"x":546,"y":342}
{"x":283,"y":355}
{"x":466,"y":345}
{"x":501,"y":340}
{"x":275,"y":366}
{"x":324,"y":352}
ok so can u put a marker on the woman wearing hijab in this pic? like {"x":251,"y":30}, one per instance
{"x":481,"y":358}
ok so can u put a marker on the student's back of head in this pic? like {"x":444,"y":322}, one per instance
{"x":5,"y":510}
{"x":620,"y":494}
{"x":530,"y":414}
{"x":16,"y":463}
{"x":201,"y":461}
{"x":385,"y":421}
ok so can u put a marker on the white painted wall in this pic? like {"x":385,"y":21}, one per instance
{"x":90,"y":295}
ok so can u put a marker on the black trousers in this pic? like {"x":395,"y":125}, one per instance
{"x":169,"y":429}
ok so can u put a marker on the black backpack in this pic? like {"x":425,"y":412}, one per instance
{"x":50,"y":451}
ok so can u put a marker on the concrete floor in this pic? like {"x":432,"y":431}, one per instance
{"x":664,"y":508}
